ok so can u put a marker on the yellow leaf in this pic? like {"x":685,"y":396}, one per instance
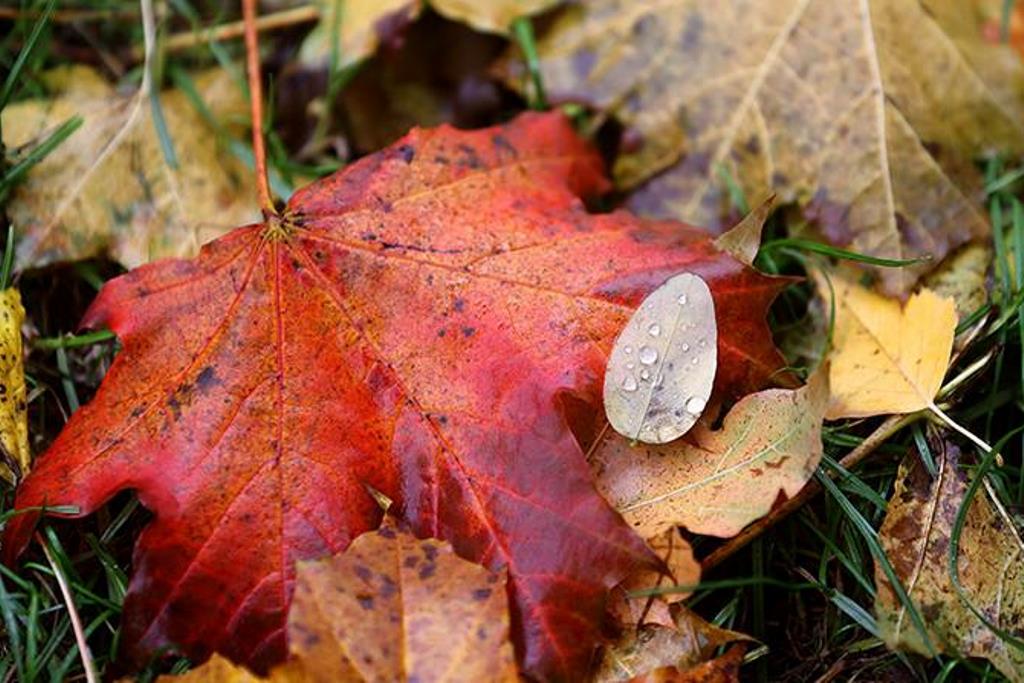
{"x":16,"y":456}
{"x":866,"y":112}
{"x":108,"y":189}
{"x":391,"y":608}
{"x":916,"y":537}
{"x":717,"y":482}
{"x":887,"y":357}
{"x":491,"y":16}
{"x":358,"y":25}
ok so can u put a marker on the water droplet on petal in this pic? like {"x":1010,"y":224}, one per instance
{"x":695,"y":405}
{"x":695,"y":360}
{"x":629,"y":383}
{"x":682,"y":299}
{"x":654,"y":330}
{"x":648,"y":356}
{"x":685,"y":347}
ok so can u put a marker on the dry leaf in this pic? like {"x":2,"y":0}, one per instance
{"x":724,"y":669}
{"x":717,"y":482}
{"x":360,"y":27}
{"x":108,"y":188}
{"x":683,"y":568}
{"x":645,"y":649}
{"x":867,"y":112}
{"x":491,"y":16}
{"x":662,"y":367}
{"x":15,"y":458}
{"x":886,"y":357}
{"x":391,"y":608}
{"x":743,"y":240}
{"x":963,"y":277}
{"x":220,"y":670}
{"x":916,"y":537}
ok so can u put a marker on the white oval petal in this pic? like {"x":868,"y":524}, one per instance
{"x":683,"y":356}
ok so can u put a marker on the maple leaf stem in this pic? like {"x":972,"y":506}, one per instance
{"x":252,"y":64}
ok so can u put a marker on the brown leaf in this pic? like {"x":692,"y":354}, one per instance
{"x":724,"y":669}
{"x":109,"y":189}
{"x":866,"y":112}
{"x":643,"y":650}
{"x":717,"y":482}
{"x":916,"y":536}
{"x":391,"y":608}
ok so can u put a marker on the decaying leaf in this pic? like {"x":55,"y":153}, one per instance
{"x":867,"y":112}
{"x":724,"y":669}
{"x":964,"y":278}
{"x":220,"y":670}
{"x":886,"y":357}
{"x":743,"y":240}
{"x":642,"y":650}
{"x":717,"y":482}
{"x":682,"y":567}
{"x":390,"y":608}
{"x":492,"y":16}
{"x":356,"y":27}
{"x":15,"y":458}
{"x":662,"y":366}
{"x":916,"y":538}
{"x":418,"y":324}
{"x":109,"y":189}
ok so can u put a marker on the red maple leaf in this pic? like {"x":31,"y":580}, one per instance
{"x":410,"y":326}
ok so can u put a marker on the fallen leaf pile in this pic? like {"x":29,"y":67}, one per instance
{"x":448,"y":416}
{"x":456,"y":293}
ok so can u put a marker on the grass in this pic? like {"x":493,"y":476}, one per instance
{"x":805,"y":589}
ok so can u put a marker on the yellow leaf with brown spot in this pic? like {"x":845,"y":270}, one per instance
{"x":717,"y":481}
{"x":868,"y":113}
{"x":916,"y":537}
{"x":887,"y":357}
{"x":15,"y":457}
{"x":108,"y":188}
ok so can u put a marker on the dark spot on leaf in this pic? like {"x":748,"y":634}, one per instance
{"x":365,"y":601}
{"x":468,"y":331}
{"x":407,"y":152}
{"x":481,"y":594}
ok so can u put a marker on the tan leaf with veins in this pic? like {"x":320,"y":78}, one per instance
{"x":108,"y":189}
{"x":916,"y":537}
{"x":717,"y":482}
{"x":867,"y":112}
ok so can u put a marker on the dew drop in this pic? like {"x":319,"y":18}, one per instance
{"x":659,"y":380}
{"x":685,"y":347}
{"x":682,"y":299}
{"x":648,"y":356}
{"x":627,"y":350}
{"x":630,"y":366}
{"x":645,"y":375}
{"x":629,"y":383}
{"x":695,"y":405}
{"x":703,"y":342}
{"x":695,"y":360}
{"x":654,"y":330}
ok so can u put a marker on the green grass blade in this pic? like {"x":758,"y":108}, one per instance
{"x":522,"y":29}
{"x":38,"y":153}
{"x":14,"y":75}
{"x":835,"y":252}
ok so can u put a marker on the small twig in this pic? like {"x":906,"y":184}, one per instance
{"x":76,"y":622}
{"x":890,"y":426}
{"x":252,"y":63}
{"x":236,"y":29}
